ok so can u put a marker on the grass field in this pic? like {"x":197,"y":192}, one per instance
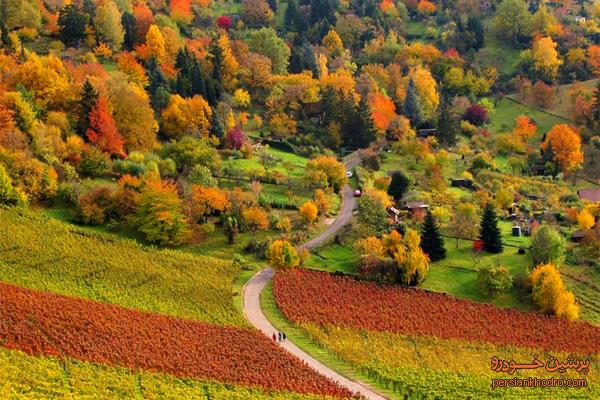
{"x":562,"y":94}
{"x":333,"y":258}
{"x":503,"y":119}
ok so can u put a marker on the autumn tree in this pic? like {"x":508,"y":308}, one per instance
{"x":566,"y":147}
{"x":9,"y":195}
{"x":550,"y":294}
{"x":333,"y":170}
{"x":413,"y":262}
{"x":107,"y":23}
{"x":282,"y":255}
{"x":134,"y":70}
{"x":309,"y":212}
{"x":160,"y":216}
{"x":190,"y":116}
{"x":132,"y":113}
{"x":207,"y":201}
{"x":412,"y":106}
{"x":102,"y":130}
{"x":383,"y":110}
{"x":546,"y":59}
{"x":547,"y":246}
{"x":143,"y":20}
{"x":426,"y":88}
{"x":155,"y":43}
{"x":524,"y":129}
{"x":322,"y":202}
{"x":489,"y":232}
{"x":181,"y":11}
{"x":257,"y":13}
{"x":585,"y":220}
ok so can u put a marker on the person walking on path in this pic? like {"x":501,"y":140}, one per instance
{"x":274,"y":337}
{"x":279,"y":335}
{"x":283,"y":337}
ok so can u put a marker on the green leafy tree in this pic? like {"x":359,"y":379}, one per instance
{"x":160,"y":214}
{"x":547,"y":246}
{"x":432,"y":242}
{"x":9,"y":195}
{"x":266,"y":42}
{"x":489,"y":232}
{"x":512,"y":20}
{"x":108,"y":25}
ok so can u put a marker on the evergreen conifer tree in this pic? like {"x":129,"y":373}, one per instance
{"x":432,"y":242}
{"x":489,"y":232}
{"x":412,"y":108}
{"x":447,"y":126}
{"x":89,"y":97}
{"x":398,"y":185}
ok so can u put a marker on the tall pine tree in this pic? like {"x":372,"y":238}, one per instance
{"x":432,"y":242}
{"x":489,"y":233}
{"x":359,"y":129}
{"x":89,"y":98}
{"x":447,"y":126}
{"x":412,"y":108}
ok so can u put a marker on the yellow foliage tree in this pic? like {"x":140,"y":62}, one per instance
{"x":427,"y":90}
{"x":585,"y":220}
{"x":550,"y":294}
{"x":321,"y":201}
{"x":186,"y":117}
{"x":156,"y":43}
{"x":546,"y":59}
{"x":333,"y":43}
{"x":230,"y":66}
{"x":282,"y":255}
{"x":309,"y":212}
{"x":206,"y":201}
{"x":256,"y":218}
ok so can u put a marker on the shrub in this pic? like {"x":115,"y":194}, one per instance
{"x":494,"y":279}
{"x":256,"y":218}
{"x":282,"y":255}
{"x":550,"y":293}
{"x":476,"y":115}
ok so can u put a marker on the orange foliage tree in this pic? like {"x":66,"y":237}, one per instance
{"x":566,"y":147}
{"x":383,"y":110}
{"x":181,"y":11}
{"x":103,"y":131}
{"x":206,"y":201}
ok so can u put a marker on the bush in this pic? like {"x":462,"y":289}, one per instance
{"x":258,"y":248}
{"x":94,"y":162}
{"x":494,"y":280}
{"x":476,"y":115}
{"x":547,"y":246}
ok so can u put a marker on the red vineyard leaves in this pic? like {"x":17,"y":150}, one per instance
{"x":42,"y":323}
{"x":322,"y":298}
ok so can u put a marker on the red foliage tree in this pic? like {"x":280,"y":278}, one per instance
{"x":103,"y":131}
{"x":224,"y":22}
{"x":236,"y":138}
{"x":476,"y":114}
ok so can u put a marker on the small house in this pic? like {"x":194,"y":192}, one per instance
{"x":416,"y":208}
{"x":516,"y":230}
{"x":394,"y":214}
{"x":425,"y":133}
{"x":578,"y":236}
{"x":592,"y":195}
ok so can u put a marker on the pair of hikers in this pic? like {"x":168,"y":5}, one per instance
{"x":279,"y":336}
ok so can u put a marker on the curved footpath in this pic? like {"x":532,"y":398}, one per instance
{"x":254,"y":287}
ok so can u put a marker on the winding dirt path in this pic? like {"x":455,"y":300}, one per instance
{"x":254,"y":287}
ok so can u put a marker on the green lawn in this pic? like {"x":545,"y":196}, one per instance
{"x":497,"y":53}
{"x":333,"y":258}
{"x":503,"y":119}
